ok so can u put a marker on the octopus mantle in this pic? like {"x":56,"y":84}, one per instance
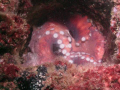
{"x":78,"y":42}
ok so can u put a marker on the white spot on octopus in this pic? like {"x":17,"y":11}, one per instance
{"x":62,"y":46}
{"x":59,"y":41}
{"x":83,"y":39}
{"x":55,"y":35}
{"x":61,"y":32}
{"x":47,"y":32}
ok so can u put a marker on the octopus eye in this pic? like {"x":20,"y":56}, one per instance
{"x":56,"y":49}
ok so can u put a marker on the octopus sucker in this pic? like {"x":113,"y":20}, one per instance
{"x":78,"y":42}
{"x":82,"y":58}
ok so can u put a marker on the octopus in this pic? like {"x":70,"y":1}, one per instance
{"x":78,"y":42}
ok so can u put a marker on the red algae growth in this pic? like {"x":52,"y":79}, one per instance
{"x":82,"y":78}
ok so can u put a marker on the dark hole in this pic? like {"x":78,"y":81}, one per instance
{"x":55,"y":49}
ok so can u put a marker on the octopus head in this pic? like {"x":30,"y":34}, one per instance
{"x":78,"y":42}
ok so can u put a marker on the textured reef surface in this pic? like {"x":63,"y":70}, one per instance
{"x":59,"y":45}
